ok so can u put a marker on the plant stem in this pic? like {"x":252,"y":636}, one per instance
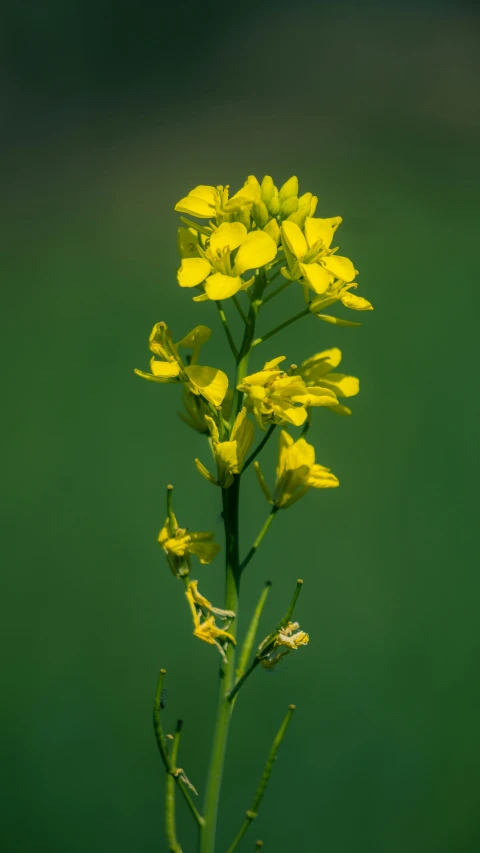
{"x":278,"y":289}
{"x":173,"y":844}
{"x":225,"y":325}
{"x":259,"y":447}
{"x":239,"y":308}
{"x":245,"y":349}
{"x":227,"y":671}
{"x":259,"y":538}
{"x":280,"y":327}
{"x":251,"y":814}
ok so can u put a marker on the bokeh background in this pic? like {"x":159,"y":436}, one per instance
{"x":111,"y":112}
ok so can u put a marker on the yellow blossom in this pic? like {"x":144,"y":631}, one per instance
{"x":211,"y":383}
{"x":179,"y":544}
{"x":229,"y":252}
{"x":318,"y":368}
{"x":309,"y":257}
{"x":229,"y":455}
{"x":204,"y":625}
{"x":275,"y":397}
{"x":289,"y":638}
{"x":296,"y":472}
{"x":213,"y":203}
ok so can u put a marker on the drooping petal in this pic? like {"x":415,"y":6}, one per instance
{"x":357,"y":303}
{"x":320,"y":363}
{"x":187,"y":243}
{"x":193,"y":271}
{"x":321,"y":229}
{"x":286,"y":412}
{"x":161,"y":371}
{"x":229,"y":234}
{"x":220,"y":286}
{"x":205,"y":551}
{"x":337,"y":321}
{"x":322,"y":478}
{"x":316,"y":276}
{"x":341,"y":267}
{"x":284,"y":443}
{"x":243,"y":432}
{"x":209,"y":382}
{"x":198,"y":335}
{"x":257,"y":249}
{"x":342,"y":384}
{"x":320,"y":396}
{"x":294,"y":239}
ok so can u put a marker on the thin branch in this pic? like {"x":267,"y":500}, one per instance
{"x":170,"y":829}
{"x":278,"y":289}
{"x":251,"y":813}
{"x":239,"y":308}
{"x":162,"y":748}
{"x":252,"y":630}
{"x":259,"y":538}
{"x":259,"y":447}
{"x":267,"y":644}
{"x":280,"y":327}
{"x":225,"y":325}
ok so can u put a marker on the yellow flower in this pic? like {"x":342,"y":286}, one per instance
{"x":296,"y":472}
{"x":318,"y":368}
{"x":275,"y":397}
{"x":214,"y":203}
{"x":211,"y":383}
{"x":230,"y":251}
{"x":204,"y":625}
{"x":179,"y":544}
{"x":309,"y":257}
{"x":229,"y":455}
{"x":289,"y":638}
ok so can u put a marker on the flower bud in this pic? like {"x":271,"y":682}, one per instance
{"x":274,"y":206}
{"x":243,"y":215}
{"x":300,"y":215}
{"x":260,"y":214}
{"x":268,"y":188}
{"x":289,"y":206}
{"x":273,"y":230}
{"x":289,"y":188}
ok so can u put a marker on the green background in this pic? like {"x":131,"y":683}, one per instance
{"x":110,"y":115}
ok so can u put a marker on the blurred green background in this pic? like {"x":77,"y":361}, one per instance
{"x":111,"y":112}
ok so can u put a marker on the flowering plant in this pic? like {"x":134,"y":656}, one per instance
{"x":240,"y":246}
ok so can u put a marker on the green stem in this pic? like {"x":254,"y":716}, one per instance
{"x":162,"y":748}
{"x":251,"y":814}
{"x":280,"y":327}
{"x":259,"y":538}
{"x":245,"y":349}
{"x":239,"y":308}
{"x":252,"y":631}
{"x":259,"y":447}
{"x":227,"y":671}
{"x":225,"y":325}
{"x":173,"y":844}
{"x":277,"y":290}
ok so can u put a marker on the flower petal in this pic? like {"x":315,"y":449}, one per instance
{"x":341,"y":267}
{"x":257,"y":249}
{"x":342,"y":384}
{"x":200,"y":202}
{"x":198,"y":335}
{"x":187,"y":243}
{"x":316,"y":276}
{"x":209,"y":382}
{"x":294,"y":239}
{"x":336,"y":320}
{"x":205,"y":472}
{"x":220,"y":286}
{"x":229,"y":234}
{"x":205,"y":551}
{"x":321,"y":396}
{"x":321,"y":229}
{"x":193,"y":271}
{"x":322,"y":478}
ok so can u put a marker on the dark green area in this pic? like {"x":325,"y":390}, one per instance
{"x":376,"y":112}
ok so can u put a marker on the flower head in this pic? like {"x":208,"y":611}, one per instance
{"x":318,"y":368}
{"x":204,"y":625}
{"x":229,"y":252}
{"x":179,"y":544}
{"x":297,"y":472}
{"x":229,"y":455}
{"x":211,"y":383}
{"x":276,"y":397}
{"x":309,"y":256}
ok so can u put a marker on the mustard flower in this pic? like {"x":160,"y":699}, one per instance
{"x":289,"y":638}
{"x":213,"y":203}
{"x":179,"y":544}
{"x":297,"y":472}
{"x":229,"y":252}
{"x":229,"y":455}
{"x":204,"y":625}
{"x":318,"y":368}
{"x":275,"y":397}
{"x":210,"y":382}
{"x":309,"y":257}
